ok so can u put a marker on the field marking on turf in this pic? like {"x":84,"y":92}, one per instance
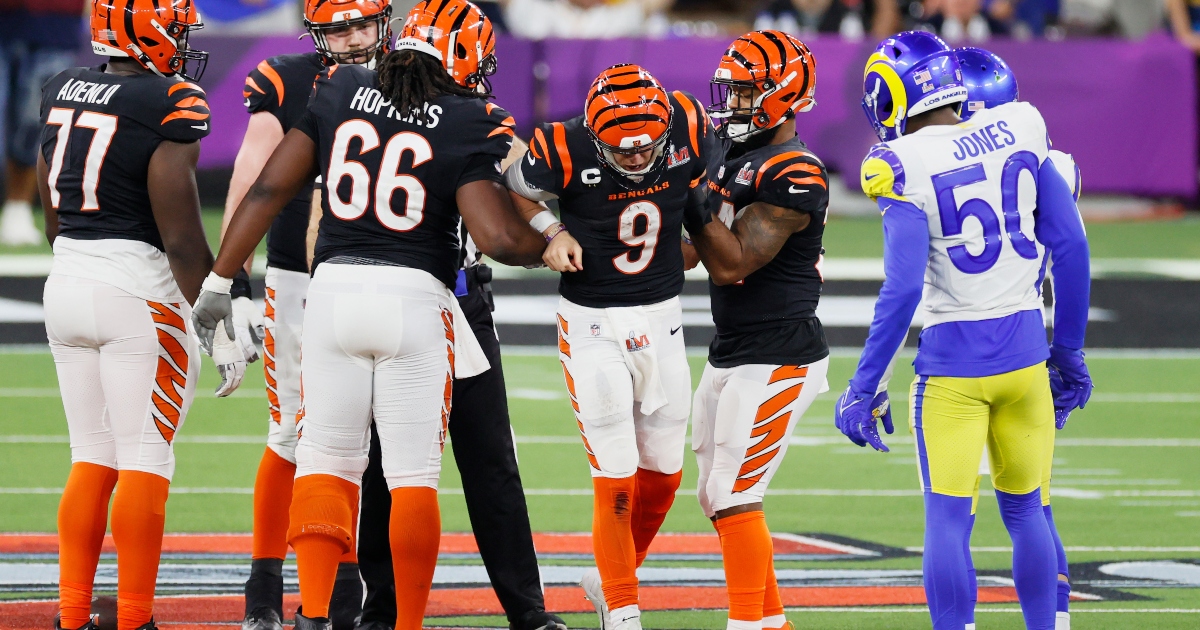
{"x":1077,"y":549}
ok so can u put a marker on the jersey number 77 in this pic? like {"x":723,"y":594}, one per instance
{"x":104,"y":127}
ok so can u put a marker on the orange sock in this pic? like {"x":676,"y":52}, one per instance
{"x":351,"y":555}
{"x":322,"y":519}
{"x":82,"y":519}
{"x":655,"y":494}
{"x":415,"y":533}
{"x":772,"y":601}
{"x":612,"y":539}
{"x":746,"y":550}
{"x":139,"y":512}
{"x":272,"y":500}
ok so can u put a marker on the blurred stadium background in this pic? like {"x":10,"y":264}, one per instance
{"x":1117,"y":83}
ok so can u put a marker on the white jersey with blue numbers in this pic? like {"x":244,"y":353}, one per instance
{"x":1066,"y":166}
{"x":977,"y":184}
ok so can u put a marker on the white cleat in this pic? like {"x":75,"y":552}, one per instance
{"x":17,"y":227}
{"x":593,"y":592}
{"x":627,"y":618}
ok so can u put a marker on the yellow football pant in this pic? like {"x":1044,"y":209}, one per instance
{"x":953,"y":417}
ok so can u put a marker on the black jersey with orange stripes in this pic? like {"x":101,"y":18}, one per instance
{"x":280,"y":86}
{"x":629,"y":230}
{"x":770,"y":316}
{"x":99,"y":131}
{"x":388,"y":180}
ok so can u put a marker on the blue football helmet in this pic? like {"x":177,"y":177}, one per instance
{"x":909,"y":74}
{"x":989,"y":80}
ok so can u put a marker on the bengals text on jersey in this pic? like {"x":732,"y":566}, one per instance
{"x":281,"y":86}
{"x":99,"y":131}
{"x":407,"y":214}
{"x":770,"y":317}
{"x":629,"y":229}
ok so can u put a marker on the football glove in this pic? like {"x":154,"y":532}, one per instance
{"x":212,"y":317}
{"x":857,"y":416}
{"x":230,"y":357}
{"x":1069,"y":382}
{"x":248,"y":326}
{"x":696,"y":213}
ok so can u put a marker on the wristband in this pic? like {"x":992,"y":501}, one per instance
{"x":241,"y":285}
{"x":217,"y":284}
{"x":555,"y":231}
{"x":543,"y":221}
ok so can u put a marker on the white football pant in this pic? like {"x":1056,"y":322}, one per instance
{"x":283,"y":321}
{"x":127,"y":369}
{"x":378,"y":342}
{"x":741,"y":424}
{"x":630,"y":385}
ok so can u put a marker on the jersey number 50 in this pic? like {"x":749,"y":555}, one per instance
{"x":390,"y":179}
{"x":953,"y":216}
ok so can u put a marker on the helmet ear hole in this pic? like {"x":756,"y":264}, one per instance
{"x":460,"y":51}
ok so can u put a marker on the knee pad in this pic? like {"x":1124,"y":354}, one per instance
{"x":613,"y":445}
{"x":322,"y":505}
{"x":313,"y":460}
{"x":661,"y":444}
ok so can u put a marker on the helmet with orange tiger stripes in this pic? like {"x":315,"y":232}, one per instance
{"x":322,"y":16}
{"x":154,"y":33}
{"x":459,"y":34}
{"x":627,"y":111}
{"x":775,"y":71}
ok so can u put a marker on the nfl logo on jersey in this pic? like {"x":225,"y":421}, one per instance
{"x":636,"y":343}
{"x":595,"y":330}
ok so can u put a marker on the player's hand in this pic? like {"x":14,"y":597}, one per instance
{"x":1069,"y":382}
{"x":230,"y":358}
{"x":248,"y":327}
{"x":564,"y":253}
{"x":212,"y":309}
{"x":857,"y":416}
{"x":696,"y":213}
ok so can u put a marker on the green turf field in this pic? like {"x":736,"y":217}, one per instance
{"x":862,"y":238}
{"x":1127,"y":473}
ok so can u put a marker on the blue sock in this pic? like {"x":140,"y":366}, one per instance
{"x":973,"y":584}
{"x":1035,"y":566}
{"x":1064,"y":586}
{"x":947,"y":586}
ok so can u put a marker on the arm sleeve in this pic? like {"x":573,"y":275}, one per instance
{"x":264,"y":91}
{"x":185,"y":115}
{"x":798,"y":182}
{"x":496,"y":133}
{"x":905,"y":256}
{"x":1059,"y":227}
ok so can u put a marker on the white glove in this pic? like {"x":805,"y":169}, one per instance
{"x":230,"y":358}
{"x":248,"y":327}
{"x":213,"y":310}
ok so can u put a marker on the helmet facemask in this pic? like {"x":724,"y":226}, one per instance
{"x":740,"y":122}
{"x":608,"y":153}
{"x":478,"y":80}
{"x":180,"y":32}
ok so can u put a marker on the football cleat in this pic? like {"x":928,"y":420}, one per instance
{"x":538,"y":620}
{"x":90,"y":625}
{"x":264,"y":618}
{"x":628,"y":622}
{"x":593,"y":592}
{"x":312,"y":623}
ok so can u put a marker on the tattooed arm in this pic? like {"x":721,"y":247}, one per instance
{"x":759,"y":232}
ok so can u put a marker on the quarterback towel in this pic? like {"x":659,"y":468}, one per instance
{"x":469,"y":359}
{"x":641,"y":355}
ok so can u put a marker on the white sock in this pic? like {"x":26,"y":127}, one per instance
{"x":23,"y":207}
{"x":1062,"y":621}
{"x":624,"y":612}
{"x":737,"y":624}
{"x":774,"y":621}
{"x":969,"y":626}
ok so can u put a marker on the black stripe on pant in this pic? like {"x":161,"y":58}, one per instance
{"x":483,"y":449}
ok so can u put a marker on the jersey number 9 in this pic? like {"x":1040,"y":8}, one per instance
{"x":647,"y":240}
{"x":953,"y":215}
{"x":390,"y":179}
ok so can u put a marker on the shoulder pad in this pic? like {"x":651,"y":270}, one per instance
{"x":186,"y":115}
{"x":503,"y":121}
{"x":797,"y":167}
{"x":264,"y":88}
{"x":882,"y":174}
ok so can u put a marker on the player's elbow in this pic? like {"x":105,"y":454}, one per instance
{"x":725,"y":277}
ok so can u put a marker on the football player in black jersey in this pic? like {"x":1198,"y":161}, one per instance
{"x":763,"y":252}
{"x":402,"y":151}
{"x":276,"y":95}
{"x":116,"y":175}
{"x":622,"y":174}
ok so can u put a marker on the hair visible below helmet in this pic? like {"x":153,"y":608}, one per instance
{"x":459,"y":35}
{"x":154,"y":33}
{"x":781,"y":70}
{"x":322,"y":16}
{"x":627,"y":111}
{"x":988,"y":79}
{"x":909,"y":74}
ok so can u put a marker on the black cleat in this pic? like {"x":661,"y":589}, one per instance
{"x":316,"y":623}
{"x":264,"y":589}
{"x":262,"y":619}
{"x":345,"y":606}
{"x":539,"y":620}
{"x":373,"y":625}
{"x":90,"y":625}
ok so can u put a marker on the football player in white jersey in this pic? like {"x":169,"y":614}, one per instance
{"x":958,"y":202}
{"x":990,"y":82}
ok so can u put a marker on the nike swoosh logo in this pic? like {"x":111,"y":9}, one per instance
{"x":529,"y":157}
{"x":247,"y":103}
{"x":676,"y":329}
{"x":870,"y":177}
{"x":794,"y":190}
{"x":203,"y":127}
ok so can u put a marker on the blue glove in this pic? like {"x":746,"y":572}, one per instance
{"x":1069,"y":382}
{"x":857,"y":416}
